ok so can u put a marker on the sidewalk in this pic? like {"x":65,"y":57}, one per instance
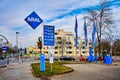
{"x":16,"y":71}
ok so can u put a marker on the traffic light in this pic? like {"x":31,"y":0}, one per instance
{"x":40,"y":42}
{"x":40,"y":45}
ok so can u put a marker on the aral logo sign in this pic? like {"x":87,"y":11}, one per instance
{"x":33,"y":20}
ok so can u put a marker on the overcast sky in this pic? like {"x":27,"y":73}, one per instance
{"x":60,"y":13}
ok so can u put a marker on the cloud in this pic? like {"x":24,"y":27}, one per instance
{"x":58,"y":13}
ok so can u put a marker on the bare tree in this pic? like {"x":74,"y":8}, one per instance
{"x":102,"y":15}
{"x":105,"y":45}
{"x":116,"y":47}
{"x":111,"y":38}
{"x":61,"y":44}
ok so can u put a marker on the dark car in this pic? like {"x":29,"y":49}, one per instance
{"x":2,"y":58}
{"x":67,"y":58}
{"x":55,"y":58}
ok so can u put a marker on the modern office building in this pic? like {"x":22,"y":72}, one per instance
{"x":64,"y":45}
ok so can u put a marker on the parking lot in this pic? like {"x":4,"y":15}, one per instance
{"x":91,"y":71}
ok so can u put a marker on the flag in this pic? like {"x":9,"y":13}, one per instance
{"x":76,"y":32}
{"x":85,"y":32}
{"x":93,"y":34}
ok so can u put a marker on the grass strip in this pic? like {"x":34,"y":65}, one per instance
{"x":57,"y":68}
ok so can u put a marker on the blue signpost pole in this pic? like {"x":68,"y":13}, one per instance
{"x":42,"y":57}
{"x":42,"y":62}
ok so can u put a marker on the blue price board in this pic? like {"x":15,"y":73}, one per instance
{"x":49,"y":35}
{"x":33,"y":20}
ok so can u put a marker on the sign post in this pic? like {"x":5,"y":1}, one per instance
{"x":42,"y":62}
{"x":5,"y":49}
{"x":42,"y":56}
{"x":34,"y":20}
{"x":49,"y":41}
{"x":51,"y":56}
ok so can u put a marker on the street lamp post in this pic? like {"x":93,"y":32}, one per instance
{"x":17,"y":44}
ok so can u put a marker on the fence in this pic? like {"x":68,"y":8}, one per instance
{"x":3,"y":62}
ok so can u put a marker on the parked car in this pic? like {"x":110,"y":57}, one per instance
{"x":46,"y":58}
{"x":100,"y":59}
{"x":2,"y":58}
{"x":83,"y":58}
{"x":55,"y":58}
{"x":116,"y":58}
{"x":67,"y":58}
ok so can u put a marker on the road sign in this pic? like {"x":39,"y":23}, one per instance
{"x":4,"y":48}
{"x":49,"y":35}
{"x":33,"y":20}
{"x":51,"y":57}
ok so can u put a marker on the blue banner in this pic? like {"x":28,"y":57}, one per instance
{"x":76,"y":32}
{"x":85,"y":32}
{"x":93,"y":34}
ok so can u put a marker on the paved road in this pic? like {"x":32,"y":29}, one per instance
{"x":16,"y":71}
{"x":91,"y":72}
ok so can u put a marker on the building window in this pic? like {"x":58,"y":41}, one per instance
{"x":56,"y":47}
{"x":67,"y":52}
{"x":59,"y":42}
{"x":55,"y":52}
{"x":89,"y":47}
{"x":77,"y":47}
{"x":90,"y":43}
{"x":83,"y":52}
{"x":59,"y":38}
{"x":56,"y":33}
{"x":83,"y":47}
{"x":77,"y":52}
{"x":70,"y":52}
{"x":83,"y":42}
{"x":69,"y":47}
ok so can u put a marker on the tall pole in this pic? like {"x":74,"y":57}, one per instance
{"x":17,"y":44}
